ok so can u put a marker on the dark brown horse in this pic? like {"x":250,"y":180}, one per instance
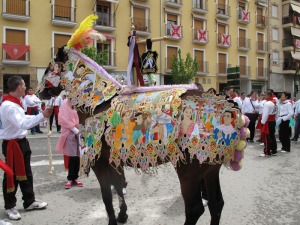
{"x":190,"y":175}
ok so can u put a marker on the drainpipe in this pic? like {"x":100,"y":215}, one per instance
{"x":160,"y":44}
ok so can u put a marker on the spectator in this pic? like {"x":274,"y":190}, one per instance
{"x":56,"y":102}
{"x":242,"y":97}
{"x":16,"y":148}
{"x":260,"y":106}
{"x":285,"y":113}
{"x":68,"y":142}
{"x":33,"y":104}
{"x":297,"y":118}
{"x":250,"y":110}
{"x":268,"y":122}
{"x":234,"y":96}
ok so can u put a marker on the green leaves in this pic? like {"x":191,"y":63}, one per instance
{"x":100,"y":57}
{"x":183,"y":72}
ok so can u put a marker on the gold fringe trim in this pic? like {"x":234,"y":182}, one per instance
{"x":21,"y":178}
{"x":9,"y":190}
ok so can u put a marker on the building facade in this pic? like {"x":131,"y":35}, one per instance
{"x":220,"y":34}
{"x":284,"y":45}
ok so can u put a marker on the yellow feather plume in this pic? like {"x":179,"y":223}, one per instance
{"x":85,"y":26}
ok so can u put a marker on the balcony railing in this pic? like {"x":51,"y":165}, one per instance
{"x":222,"y":68}
{"x":244,"y":16}
{"x":16,"y":9}
{"x":261,"y":21}
{"x":63,"y":15}
{"x":287,"y":42}
{"x":141,"y":24}
{"x":200,"y":7}
{"x":223,"y":11}
{"x":245,"y":71}
{"x":223,"y":40}
{"x":289,"y":64}
{"x":243,"y":43}
{"x":15,"y":54}
{"x":290,"y":19}
{"x":261,"y":72}
{"x":200,"y":36}
{"x":261,"y":46}
{"x":174,"y":31}
{"x":203,"y":67}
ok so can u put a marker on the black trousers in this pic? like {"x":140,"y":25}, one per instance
{"x":252,"y":117}
{"x":285,"y":135}
{"x":203,"y":190}
{"x":26,"y":186}
{"x":74,"y":163}
{"x":270,"y":140}
{"x":37,"y":127}
{"x":56,"y":121}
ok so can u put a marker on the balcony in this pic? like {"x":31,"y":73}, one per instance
{"x":261,"y":47}
{"x":203,"y":68}
{"x":243,"y":44}
{"x":200,"y":36}
{"x":16,"y":10}
{"x":200,"y":8}
{"x":173,"y":3}
{"x":222,"y":69}
{"x":174,"y":32}
{"x":14,"y":54}
{"x":245,"y":71}
{"x":142,"y":26}
{"x":105,"y":22}
{"x":223,"y":40}
{"x":288,"y":44}
{"x":261,"y":73}
{"x":223,"y":11}
{"x":261,"y":21}
{"x":289,"y":66}
{"x":63,"y":16}
{"x":290,"y":21}
{"x":244,"y":17}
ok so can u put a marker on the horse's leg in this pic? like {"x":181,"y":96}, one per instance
{"x":190,"y":176}
{"x":118,"y":182}
{"x":102,"y":172}
{"x":214,"y":193}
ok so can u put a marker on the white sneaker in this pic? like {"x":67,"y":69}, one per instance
{"x":262,"y":144}
{"x":2,"y":222}
{"x":283,"y":151}
{"x":263,"y":155}
{"x":13,"y":214}
{"x":204,"y":202}
{"x":37,"y":205}
{"x":124,"y":191}
{"x":112,"y":187}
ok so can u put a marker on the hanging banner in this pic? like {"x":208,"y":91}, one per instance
{"x":149,"y":62}
{"x":175,"y":30}
{"x":15,"y":51}
{"x":202,"y":35}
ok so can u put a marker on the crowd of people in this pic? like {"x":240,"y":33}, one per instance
{"x":268,"y":113}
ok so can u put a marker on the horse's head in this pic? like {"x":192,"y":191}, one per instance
{"x":50,"y":84}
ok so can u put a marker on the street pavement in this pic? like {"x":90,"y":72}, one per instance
{"x":266,"y":191}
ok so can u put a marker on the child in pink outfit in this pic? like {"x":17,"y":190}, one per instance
{"x":68,"y":143}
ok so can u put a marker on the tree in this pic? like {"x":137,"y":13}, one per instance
{"x":100,"y":57}
{"x":183,"y":72}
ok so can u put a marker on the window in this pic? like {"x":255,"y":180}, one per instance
{"x":199,"y":55}
{"x":275,"y":11}
{"x":260,"y":68}
{"x":106,"y":48}
{"x":203,"y":80}
{"x":59,"y":41}
{"x":17,"y":38}
{"x":103,"y":12}
{"x":171,"y":19}
{"x":242,"y":39}
{"x":243,"y":65}
{"x":275,"y":34}
{"x":275,"y":60}
{"x":260,"y":42}
{"x":139,"y":19}
{"x":171,"y":52}
{"x":17,"y":7}
{"x":222,"y":63}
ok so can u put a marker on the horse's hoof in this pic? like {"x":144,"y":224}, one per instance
{"x":122,"y":219}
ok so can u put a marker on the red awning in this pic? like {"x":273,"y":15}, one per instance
{"x":15,"y":51}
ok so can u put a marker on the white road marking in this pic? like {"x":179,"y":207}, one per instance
{"x":46,"y":163}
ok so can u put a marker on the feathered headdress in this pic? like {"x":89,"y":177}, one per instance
{"x":85,"y":35}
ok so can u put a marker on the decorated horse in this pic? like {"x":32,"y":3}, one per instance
{"x":143,"y":127}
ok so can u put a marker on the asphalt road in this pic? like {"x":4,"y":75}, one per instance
{"x":266,"y":191}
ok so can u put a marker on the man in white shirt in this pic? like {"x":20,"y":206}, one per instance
{"x":268,"y":122}
{"x":33,"y":104}
{"x":250,"y":110}
{"x":285,"y":113}
{"x":16,"y":148}
{"x":56,"y":102}
{"x":234,"y":96}
{"x":297,"y":120}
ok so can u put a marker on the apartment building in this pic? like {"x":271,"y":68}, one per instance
{"x":220,"y":34}
{"x":284,"y":44}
